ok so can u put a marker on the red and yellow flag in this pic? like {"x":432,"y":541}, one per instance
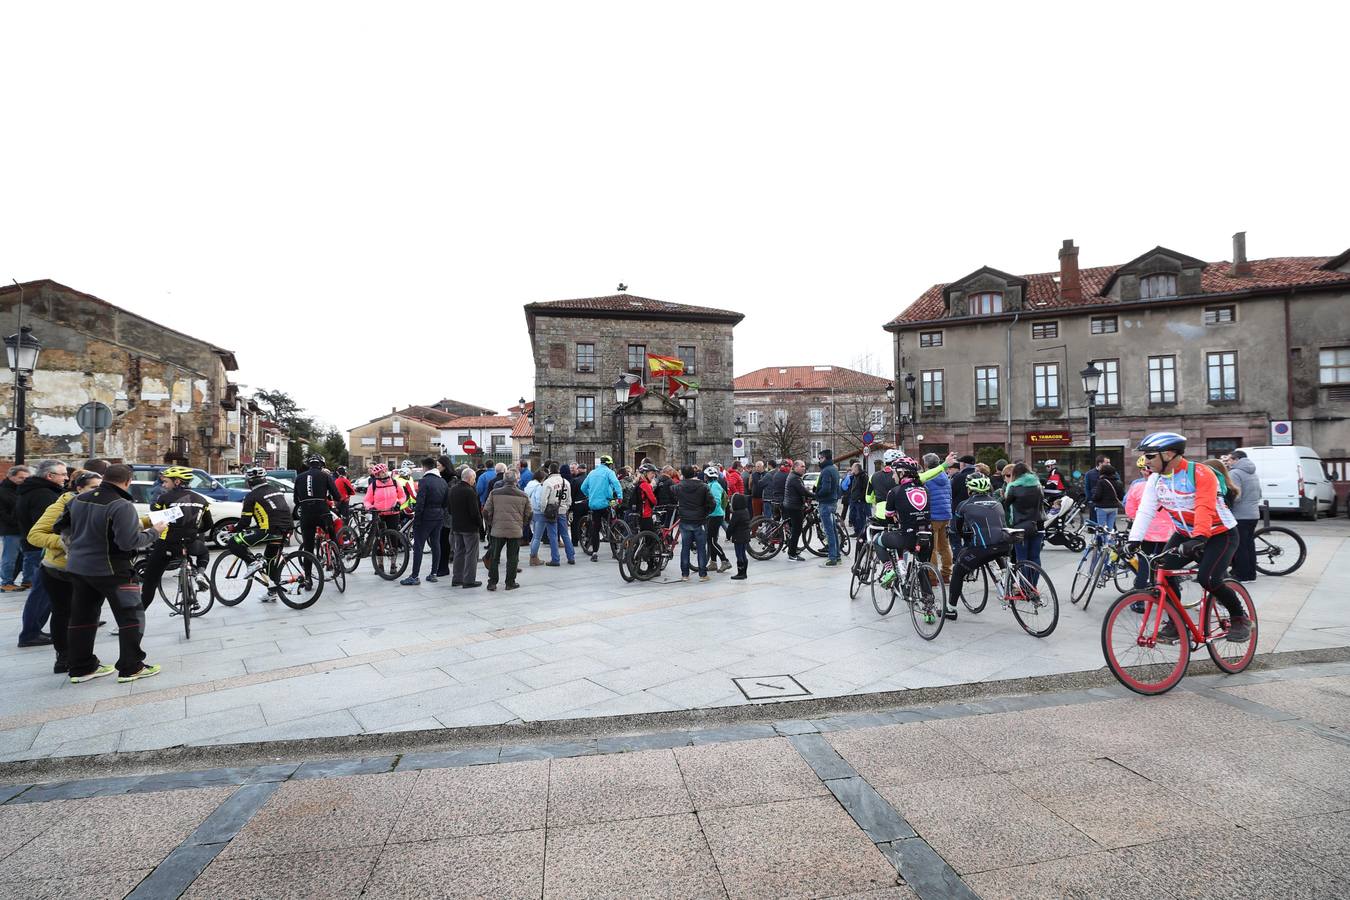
{"x":664,"y":365}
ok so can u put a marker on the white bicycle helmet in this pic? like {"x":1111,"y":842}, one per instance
{"x":891,"y":457}
{"x":711,"y":473}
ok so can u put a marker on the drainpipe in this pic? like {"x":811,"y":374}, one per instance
{"x":1011,"y":326}
{"x":1288,"y":365}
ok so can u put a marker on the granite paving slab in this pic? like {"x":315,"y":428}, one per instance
{"x":588,"y":789}
{"x":666,"y":856}
{"x":509,"y":866}
{"x":324,"y":874}
{"x":746,"y":772}
{"x":474,"y":800}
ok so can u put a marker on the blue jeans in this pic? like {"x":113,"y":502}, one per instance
{"x":426,"y":533}
{"x":857,"y":517}
{"x":9,"y":558}
{"x":37,"y":608}
{"x":696,"y":535}
{"x":831,"y":532}
{"x":541,"y":528}
{"x":1030,"y":551}
{"x":32,"y":561}
{"x":1105,"y":517}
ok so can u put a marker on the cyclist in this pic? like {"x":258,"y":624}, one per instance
{"x":1206,"y":530}
{"x":385,"y":496}
{"x":907,"y":508}
{"x":314,"y":490}
{"x":185,"y":531}
{"x":647,"y":490}
{"x":603,"y":492}
{"x":264,"y":519}
{"x":980,"y":520}
{"x":881,"y":483}
{"x":403,"y":476}
{"x":345,"y":490}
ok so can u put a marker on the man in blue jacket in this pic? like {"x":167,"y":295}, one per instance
{"x":827,"y":496}
{"x":602,"y":489}
{"x":939,"y":507}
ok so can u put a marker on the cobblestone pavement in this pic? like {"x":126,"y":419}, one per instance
{"x":1230,"y":786}
{"x":574,"y":642}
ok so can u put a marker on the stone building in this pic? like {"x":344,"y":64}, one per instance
{"x":167,"y":390}
{"x":1216,"y":350}
{"x":400,"y":434}
{"x":582,"y":347}
{"x":797,"y":411}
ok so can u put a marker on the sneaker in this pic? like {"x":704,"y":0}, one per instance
{"x":553,"y":564}
{"x":595,"y":557}
{"x":145,"y":672}
{"x":97,"y":673}
{"x":1137,"y":607}
{"x":7,"y":588}
{"x":432,"y":579}
{"x":203,"y":584}
{"x":411,"y":580}
{"x":830,"y":563}
{"x":571,"y":562}
{"x":702,"y":578}
{"x":798,"y":558}
{"x":254,"y":568}
{"x":511,"y":585}
{"x":1239,"y":631}
{"x":684,"y":578}
{"x":1168,"y":634}
{"x":950,"y":614}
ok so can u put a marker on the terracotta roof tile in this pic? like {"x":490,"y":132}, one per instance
{"x":479,"y":422}
{"x":523,"y":428}
{"x":809,"y":378}
{"x":1043,"y":289}
{"x":629,"y":303}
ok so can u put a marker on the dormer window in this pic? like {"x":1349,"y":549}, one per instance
{"x":989,"y":303}
{"x":1153,"y":287}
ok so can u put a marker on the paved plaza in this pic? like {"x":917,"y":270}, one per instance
{"x":574,"y":642}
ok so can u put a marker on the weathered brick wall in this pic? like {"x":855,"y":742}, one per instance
{"x":557,"y":385}
{"x":161,"y":385}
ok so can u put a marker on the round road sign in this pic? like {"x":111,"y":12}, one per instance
{"x":470,"y":447}
{"x":94,"y":415}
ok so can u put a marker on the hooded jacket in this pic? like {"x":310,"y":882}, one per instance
{"x":827,"y":488}
{"x":33,"y":498}
{"x":9,"y":495}
{"x":103,"y":533}
{"x":1248,"y":505}
{"x":740,"y":519}
{"x":1026,"y":502}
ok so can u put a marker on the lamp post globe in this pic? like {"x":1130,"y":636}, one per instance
{"x":23,"y":350}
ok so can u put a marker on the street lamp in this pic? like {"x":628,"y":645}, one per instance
{"x":548,"y":429}
{"x":622,"y":388}
{"x":1092,"y":379}
{"x":23,"y":350}
{"x":909,"y":416}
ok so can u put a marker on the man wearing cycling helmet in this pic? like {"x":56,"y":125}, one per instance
{"x":264,"y":519}
{"x":602,"y":491}
{"x":980,"y":522}
{"x":907,"y":508}
{"x":646,"y":487}
{"x":314,"y":490}
{"x":1206,"y":531}
{"x":880,"y":485}
{"x":345,"y":490}
{"x":186,"y":531}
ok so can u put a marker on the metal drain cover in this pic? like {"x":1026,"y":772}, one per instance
{"x":770,"y":687}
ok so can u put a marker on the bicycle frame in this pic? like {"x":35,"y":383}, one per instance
{"x":1154,"y":607}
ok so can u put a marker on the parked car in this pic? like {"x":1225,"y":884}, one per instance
{"x":236,"y":481}
{"x":202,"y":483}
{"x":1293,"y":479}
{"x":286,"y":475}
{"x":225,"y":514}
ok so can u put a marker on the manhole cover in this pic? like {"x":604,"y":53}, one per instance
{"x":770,"y":687}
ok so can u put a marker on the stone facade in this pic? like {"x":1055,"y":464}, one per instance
{"x":391,"y":439}
{"x":167,"y":390}
{"x":582,"y":347}
{"x":1166,"y":326}
{"x":797,"y":411}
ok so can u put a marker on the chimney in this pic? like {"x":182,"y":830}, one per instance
{"x":1070,"y":289}
{"x":1240,"y":264}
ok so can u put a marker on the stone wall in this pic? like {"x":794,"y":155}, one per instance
{"x":165,"y":388}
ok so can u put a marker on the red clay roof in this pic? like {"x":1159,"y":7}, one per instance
{"x":1043,"y":289}
{"x":809,"y":378}
{"x":630,"y":304}
{"x":523,"y":428}
{"x":479,"y":422}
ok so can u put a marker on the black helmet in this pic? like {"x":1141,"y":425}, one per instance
{"x":342,"y":470}
{"x":313,"y":460}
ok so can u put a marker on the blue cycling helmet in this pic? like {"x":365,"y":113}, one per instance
{"x":1163,"y":440}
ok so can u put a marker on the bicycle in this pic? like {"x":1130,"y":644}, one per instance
{"x":298,"y":574}
{"x":914,"y":580}
{"x":185,"y":580}
{"x":1034,"y":606}
{"x":1148,"y":664}
{"x":768,"y":536}
{"x":613,"y":530}
{"x":649,"y":552}
{"x":1106,"y":559}
{"x":860,"y":571}
{"x":1281,"y":548}
{"x":813,"y":532}
{"x":386,"y":548}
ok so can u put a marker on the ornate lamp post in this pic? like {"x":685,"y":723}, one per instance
{"x":549,"y":425}
{"x":1092,"y":379}
{"x":23,"y":350}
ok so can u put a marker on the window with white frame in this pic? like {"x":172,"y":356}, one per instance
{"x":1162,"y":379}
{"x":1220,"y":315}
{"x":780,"y":417}
{"x":1221,"y":374}
{"x":878,"y":418}
{"x":1043,"y":330}
{"x":752,"y":420}
{"x":367,"y":442}
{"x":1108,"y":389}
{"x":930,"y":339}
{"x":988,"y":303}
{"x":817,"y":420}
{"x":986,"y":387}
{"x":1152,"y":287}
{"x":930,"y":382}
{"x":1105,"y":325}
{"x":585,"y":412}
{"x":1046,"y":379}
{"x":1333,"y":365}
{"x":816,"y":448}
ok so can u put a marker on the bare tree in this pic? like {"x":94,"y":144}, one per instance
{"x":783,"y":436}
{"x":853,"y":417}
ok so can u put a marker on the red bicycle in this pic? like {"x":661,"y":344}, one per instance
{"x":646,"y":553}
{"x":1149,"y":664}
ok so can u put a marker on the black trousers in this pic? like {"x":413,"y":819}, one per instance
{"x":794,"y":519}
{"x":447,"y":556}
{"x":512,"y":546}
{"x":426,"y":533}
{"x":1210,"y":570}
{"x":59,"y":589}
{"x":715,"y":551}
{"x":312,"y":518}
{"x":158,"y":561}
{"x":967,"y":560}
{"x":1244,"y":560}
{"x":124,"y":598}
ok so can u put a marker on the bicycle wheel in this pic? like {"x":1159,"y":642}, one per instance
{"x":927,"y":604}
{"x":186,"y":599}
{"x":883,"y":596}
{"x":1036,"y":607}
{"x":389,"y":554}
{"x":765,"y":538}
{"x":1125,"y":572}
{"x":860,"y":570}
{"x":975,"y":589}
{"x":229,"y":584}
{"x":813,"y":538}
{"x":1085,"y":576}
{"x":625,"y":560}
{"x":645,"y":558}
{"x":1279,"y":550}
{"x":349,"y":550}
{"x":1231,"y":656}
{"x":301,"y":579}
{"x":333,"y":566}
{"x":618,"y":532}
{"x":1129,"y":645}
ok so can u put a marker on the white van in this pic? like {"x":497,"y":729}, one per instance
{"x":1293,"y":479}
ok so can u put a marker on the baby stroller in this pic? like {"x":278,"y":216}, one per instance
{"x":1063,"y":523}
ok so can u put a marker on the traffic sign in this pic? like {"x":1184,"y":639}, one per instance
{"x":738,"y":447}
{"x":1281,"y":432}
{"x":94,"y":416}
{"x":470,"y":447}
{"x":868,"y":438}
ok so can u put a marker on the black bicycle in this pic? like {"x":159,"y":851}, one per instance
{"x":613,"y":531}
{"x":1279,"y":550}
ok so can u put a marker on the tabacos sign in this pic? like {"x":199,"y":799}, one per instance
{"x":1049,"y":438}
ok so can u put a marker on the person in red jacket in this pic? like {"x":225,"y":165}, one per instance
{"x":345,"y":490}
{"x":735,"y":480}
{"x":647,"y":491}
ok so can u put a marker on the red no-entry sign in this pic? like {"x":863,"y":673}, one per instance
{"x":469,"y":447}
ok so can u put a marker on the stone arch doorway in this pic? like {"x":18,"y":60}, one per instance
{"x":653,"y":453}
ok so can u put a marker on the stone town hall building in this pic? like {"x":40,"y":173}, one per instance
{"x":582,"y":347}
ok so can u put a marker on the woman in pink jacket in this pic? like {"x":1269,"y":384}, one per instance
{"x":384,"y":495}
{"x":1159,"y":530}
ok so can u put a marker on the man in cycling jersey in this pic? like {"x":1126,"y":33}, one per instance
{"x":602,"y":490}
{"x":1206,"y":531}
{"x":194,"y":518}
{"x":264,"y":519}
{"x":907,"y":508}
{"x":980,"y":521}
{"x":345,"y":490}
{"x":314,"y":490}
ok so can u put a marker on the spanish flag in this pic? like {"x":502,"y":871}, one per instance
{"x":664,"y":365}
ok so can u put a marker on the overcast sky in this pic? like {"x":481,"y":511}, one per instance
{"x":359,"y":198}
